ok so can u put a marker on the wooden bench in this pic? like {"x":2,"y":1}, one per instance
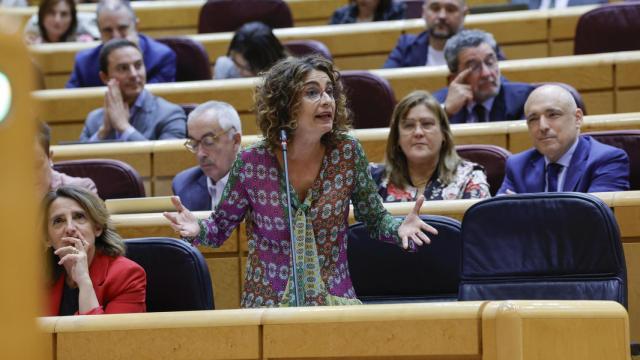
{"x":609,"y":83}
{"x":227,"y":263}
{"x":159,"y":161}
{"x":180,"y":17}
{"x":366,"y":46}
{"x":477,"y":330}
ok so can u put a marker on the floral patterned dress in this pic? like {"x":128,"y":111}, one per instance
{"x":256,"y":190}
{"x":469,"y":182}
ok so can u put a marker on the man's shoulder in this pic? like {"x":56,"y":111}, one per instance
{"x":153,"y":47}
{"x":421,"y":39}
{"x":602,"y":151}
{"x":518,"y":89}
{"x":90,"y":54}
{"x":163,"y":105}
{"x":523,"y":157}
{"x":187,"y":177}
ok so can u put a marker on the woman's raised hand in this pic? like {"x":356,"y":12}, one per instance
{"x":183,"y":221}
{"x":412,"y":227}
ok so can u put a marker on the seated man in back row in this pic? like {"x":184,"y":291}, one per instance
{"x":116,"y":20}
{"x":131,"y":113}
{"x":215,"y":136}
{"x":478,"y":93}
{"x":561,"y":159}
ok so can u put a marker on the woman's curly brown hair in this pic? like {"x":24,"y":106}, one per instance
{"x":278,"y":95}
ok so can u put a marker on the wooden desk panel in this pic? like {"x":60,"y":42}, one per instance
{"x":354,"y":46}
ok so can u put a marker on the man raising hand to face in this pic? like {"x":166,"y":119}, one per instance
{"x":477,"y":92}
{"x":130,"y":112}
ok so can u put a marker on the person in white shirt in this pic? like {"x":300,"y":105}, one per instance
{"x":214,"y":136}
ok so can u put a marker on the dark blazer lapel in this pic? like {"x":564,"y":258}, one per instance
{"x":534,"y":174}
{"x":204,"y":201}
{"x":499,"y":107}
{"x":421,"y":48}
{"x":578,"y":165}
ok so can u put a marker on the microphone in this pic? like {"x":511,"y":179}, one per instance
{"x":292,"y":235}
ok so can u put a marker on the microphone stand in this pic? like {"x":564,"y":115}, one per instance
{"x":292,"y":236}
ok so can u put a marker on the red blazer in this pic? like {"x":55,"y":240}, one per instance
{"x":120,"y":285}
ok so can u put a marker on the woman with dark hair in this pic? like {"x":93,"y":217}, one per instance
{"x":89,"y":273}
{"x":369,"y":10}
{"x":58,"y":21}
{"x":253,"y":49}
{"x":421,"y":158}
{"x":327,"y":171}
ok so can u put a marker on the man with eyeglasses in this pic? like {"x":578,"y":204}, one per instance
{"x":477,"y":92}
{"x":130,"y":112}
{"x":214,"y":136}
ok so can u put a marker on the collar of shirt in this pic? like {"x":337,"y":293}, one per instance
{"x":215,"y":189}
{"x":487,"y":104}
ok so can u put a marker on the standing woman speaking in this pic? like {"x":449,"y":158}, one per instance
{"x":327,"y":171}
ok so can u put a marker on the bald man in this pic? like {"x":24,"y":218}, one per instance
{"x":562,"y":159}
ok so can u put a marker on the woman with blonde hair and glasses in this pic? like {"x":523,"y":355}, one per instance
{"x":421,"y":158}
{"x":327,"y":172}
{"x":88,"y":271}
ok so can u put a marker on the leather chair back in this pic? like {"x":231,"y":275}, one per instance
{"x":383,"y":272}
{"x":492,"y":158}
{"x":177,"y":275}
{"x":192,"y":61}
{"x":370,"y":98}
{"x":301,"y":48}
{"x":414,"y":9}
{"x":114,"y":179}
{"x":608,"y":28}
{"x":556,"y":246}
{"x":629,"y":141}
{"x":229,"y":15}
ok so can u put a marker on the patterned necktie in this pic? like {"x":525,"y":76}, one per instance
{"x":480,"y":113}
{"x":553,"y":170}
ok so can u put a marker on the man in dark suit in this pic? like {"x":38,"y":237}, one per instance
{"x":443,"y":18}
{"x":116,"y":20}
{"x":214,"y":136}
{"x":561,"y":159}
{"x":477,"y":92}
{"x":131,"y":113}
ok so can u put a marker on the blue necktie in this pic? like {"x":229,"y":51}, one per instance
{"x":553,"y":169}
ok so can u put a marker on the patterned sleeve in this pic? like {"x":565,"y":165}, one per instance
{"x":367,"y":204}
{"x":476,"y":186}
{"x":230,"y":211}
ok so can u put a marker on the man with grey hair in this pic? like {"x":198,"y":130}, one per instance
{"x":117,"y":20}
{"x":477,"y":92}
{"x":214,"y":136}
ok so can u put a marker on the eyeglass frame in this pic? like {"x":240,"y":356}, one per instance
{"x":214,"y":140}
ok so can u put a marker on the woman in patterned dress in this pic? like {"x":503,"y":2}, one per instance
{"x":421,"y":158}
{"x":327,"y":172}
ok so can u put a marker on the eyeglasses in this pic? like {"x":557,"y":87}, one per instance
{"x":314,"y":94}
{"x":208,"y":141}
{"x":491,"y":62}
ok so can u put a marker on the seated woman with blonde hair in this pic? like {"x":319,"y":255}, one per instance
{"x":421,"y":158}
{"x":89,"y":273}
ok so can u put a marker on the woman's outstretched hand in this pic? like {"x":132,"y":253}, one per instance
{"x":412,"y":227}
{"x":183,"y":221}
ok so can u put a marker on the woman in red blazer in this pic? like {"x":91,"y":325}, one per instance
{"x":89,"y":274}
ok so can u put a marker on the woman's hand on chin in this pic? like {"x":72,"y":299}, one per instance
{"x":74,"y":258}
